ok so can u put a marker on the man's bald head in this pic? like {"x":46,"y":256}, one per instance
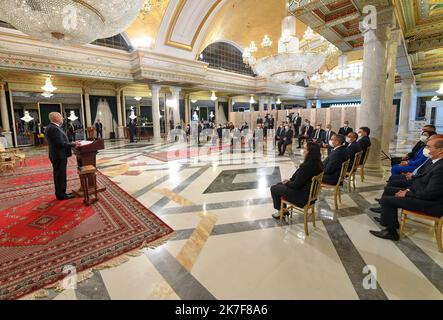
{"x":56,"y":118}
{"x":436,"y":136}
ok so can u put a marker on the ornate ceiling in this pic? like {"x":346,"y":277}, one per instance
{"x":422,"y":25}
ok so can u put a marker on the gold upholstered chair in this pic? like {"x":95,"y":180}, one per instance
{"x":362,"y":165}
{"x":337,"y":187}
{"x":351,"y":174}
{"x":7,"y":161}
{"x":309,"y":209}
{"x":438,"y":224}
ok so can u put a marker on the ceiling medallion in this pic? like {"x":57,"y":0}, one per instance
{"x":70,"y":22}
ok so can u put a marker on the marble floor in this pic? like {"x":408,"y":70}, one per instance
{"x":227,"y":245}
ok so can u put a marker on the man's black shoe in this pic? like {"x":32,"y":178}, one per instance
{"x":386,"y":234}
{"x":378,"y":219}
{"x":66,"y":197}
{"x":376,"y":210}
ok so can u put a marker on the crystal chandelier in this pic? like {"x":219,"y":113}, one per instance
{"x":213,"y":96}
{"x":293,"y":61}
{"x":440,"y":91}
{"x":252,"y":100}
{"x":47,"y":94}
{"x":342,"y":80}
{"x":72,"y":116}
{"x":27,"y":118}
{"x":70,"y":22}
{"x":49,"y":87}
{"x":435,"y":98}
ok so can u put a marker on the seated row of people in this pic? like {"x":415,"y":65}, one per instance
{"x":296,"y":190}
{"x":420,"y":190}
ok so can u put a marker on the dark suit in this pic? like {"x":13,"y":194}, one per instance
{"x":297,"y":124}
{"x":328,"y":135}
{"x":318,"y":135}
{"x":99,"y":129}
{"x":425,"y":195}
{"x":285,"y":140}
{"x":271,"y":123}
{"x":365,"y":143}
{"x":278,"y":133}
{"x":345,"y":131}
{"x":333,"y":165}
{"x":351,"y":150}
{"x":297,"y":189}
{"x":400,"y":181}
{"x":259,"y":120}
{"x":418,"y":147}
{"x":59,"y":152}
{"x":132,"y":129}
{"x":306,"y":134}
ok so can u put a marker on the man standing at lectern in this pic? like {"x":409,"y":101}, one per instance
{"x":59,"y":152}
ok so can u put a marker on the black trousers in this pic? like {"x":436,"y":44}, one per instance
{"x":100,"y":134}
{"x":300,"y":139}
{"x":282,"y":146}
{"x":296,"y":131}
{"x":390,"y":205}
{"x":399,"y":181}
{"x":59,"y":172}
{"x":280,"y":190}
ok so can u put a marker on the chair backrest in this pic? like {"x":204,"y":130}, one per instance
{"x":314,"y":193}
{"x":343,"y":172}
{"x":366,"y":155}
{"x":356,"y":163}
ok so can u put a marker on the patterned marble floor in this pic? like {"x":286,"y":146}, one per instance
{"x":229,"y":247}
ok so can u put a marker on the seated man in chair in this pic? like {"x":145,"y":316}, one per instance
{"x":285,"y":140}
{"x":296,"y":190}
{"x":334,"y":161}
{"x":424,"y":195}
{"x":352,"y":149}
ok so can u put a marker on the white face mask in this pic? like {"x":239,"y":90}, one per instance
{"x":423,"y":138}
{"x":345,"y":125}
{"x":348,"y":140}
{"x":318,"y":128}
{"x":360,"y":135}
{"x":303,"y":152}
{"x":331,"y":144}
{"x":286,"y":128}
{"x":426,"y":153}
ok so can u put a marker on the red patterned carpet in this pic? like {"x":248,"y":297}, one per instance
{"x":40,"y":236}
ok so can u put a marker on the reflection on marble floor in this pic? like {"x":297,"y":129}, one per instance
{"x":229,"y":247}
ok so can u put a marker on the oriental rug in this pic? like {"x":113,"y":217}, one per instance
{"x":41,"y":237}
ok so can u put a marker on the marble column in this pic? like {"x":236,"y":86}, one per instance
{"x":4,"y":108}
{"x":87,"y":108}
{"x":156,"y":110}
{"x":120,"y":131}
{"x":309,"y":104}
{"x":187,"y":109}
{"x":389,"y":112}
{"x":405,"y":107}
{"x":373,"y":98}
{"x":261,"y":105}
{"x":230,"y":109}
{"x":176,"y":108}
{"x":124,"y":109}
{"x":217,"y":113}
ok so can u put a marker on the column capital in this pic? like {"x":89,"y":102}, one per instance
{"x":155,"y":88}
{"x":175,"y":90}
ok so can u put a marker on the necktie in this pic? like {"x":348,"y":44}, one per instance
{"x":316,"y":134}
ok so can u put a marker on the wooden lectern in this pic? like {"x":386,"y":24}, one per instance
{"x":86,"y":156}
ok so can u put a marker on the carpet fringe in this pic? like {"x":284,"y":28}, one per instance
{"x":117,"y":261}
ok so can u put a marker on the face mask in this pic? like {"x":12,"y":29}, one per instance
{"x":360,"y":135}
{"x":423,"y":139}
{"x":318,"y":128}
{"x":303,"y":152}
{"x":348,"y":140}
{"x":426,"y":153}
{"x":328,"y":129}
{"x":286,"y":128}
{"x":331,"y":144}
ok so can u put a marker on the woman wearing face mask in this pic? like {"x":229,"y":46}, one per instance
{"x":420,"y":157}
{"x":296,"y":190}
